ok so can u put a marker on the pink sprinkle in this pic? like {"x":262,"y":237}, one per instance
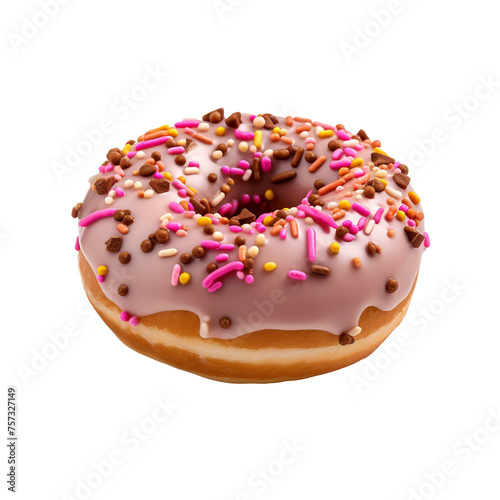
{"x":157,"y":175}
{"x":221,"y":271}
{"x":427,"y":240}
{"x":187,"y":123}
{"x":131,"y":154}
{"x":300,"y":214}
{"x":361,"y":223}
{"x":175,"y":207}
{"x":176,"y":272}
{"x":318,"y":216}
{"x":342,"y":135}
{"x":358,"y":147}
{"x":358,"y":172}
{"x":311,"y":243}
{"x":118,"y":177}
{"x":226,"y":247}
{"x":182,"y":193}
{"x":215,"y":287}
{"x":396,"y":164}
{"x":234,"y":205}
{"x":361,"y":209}
{"x":243,"y":164}
{"x":222,"y":257}
{"x":245,"y":199}
{"x":297,"y":275}
{"x":338,"y":164}
{"x":337,"y":154}
{"x":237,"y":171}
{"x":125,"y":316}
{"x":243,"y":136}
{"x":310,"y":140}
{"x":225,"y":208}
{"x":225,"y":170}
{"x":240,"y":275}
{"x":235,"y":229}
{"x":354,"y":229}
{"x":177,"y":184}
{"x":181,"y":233}
{"x":349,"y":237}
{"x":210,"y":244}
{"x":176,"y":150}
{"x":262,"y":229}
{"x":325,"y":126}
{"x":119,"y":170}
{"x":189,"y":214}
{"x":120,"y":192}
{"x":100,"y":279}
{"x":152,"y":142}
{"x":109,"y":167}
{"x":193,"y":164}
{"x":256,"y":198}
{"x":350,"y":152}
{"x":266,"y":164}
{"x":347,"y":223}
{"x":411,"y":223}
{"x":252,"y":117}
{"x":261,"y":217}
{"x":378,"y":215}
{"x":249,"y":279}
{"x":257,"y":154}
{"x":101,"y":169}
{"x":77,"y":244}
{"x":95,"y":216}
{"x":283,"y":234}
{"x":404,"y":208}
{"x":133,"y":321}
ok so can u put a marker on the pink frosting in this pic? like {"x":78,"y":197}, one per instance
{"x":263,"y":299}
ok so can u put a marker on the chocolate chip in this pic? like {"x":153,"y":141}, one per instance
{"x":414,"y":237}
{"x":147,"y":170}
{"x":341,"y":231}
{"x":162,"y":235}
{"x":283,"y":176}
{"x":124,"y":257}
{"x":321,"y":270}
{"x":310,"y":157}
{"x":403,"y":168}
{"x":185,"y":258}
{"x":222,"y":147}
{"x":123,"y":290}
{"x":156,"y":155}
{"x":211,"y":267}
{"x":402,"y":180}
{"x":125,"y":163}
{"x":115,"y":157}
{"x":369,"y":192}
{"x":334,"y":145}
{"x":180,"y":160}
{"x":391,"y":286}
{"x":233,"y":221}
{"x":114,"y":244}
{"x":199,"y":207}
{"x":160,"y":185}
{"x":246,"y":217}
{"x":119,"y":215}
{"x":318,"y":184}
{"x":113,"y":150}
{"x":297,"y":157}
{"x":346,"y":339}
{"x":208,"y":229}
{"x":198,"y":252}
{"x":75,"y":210}
{"x":377,"y":184}
{"x":215,"y":116}
{"x":212,"y":177}
{"x":281,"y":154}
{"x":248,"y":263}
{"x":147,"y":246}
{"x":239,"y":240}
{"x":256,"y":168}
{"x":380,"y":159}
{"x":362,"y":134}
{"x":271,"y":117}
{"x":234,"y":120}
{"x":170,"y":143}
{"x":225,"y":322}
{"x":128,"y":220}
{"x":315,"y":199}
{"x":104,"y":184}
{"x":371,"y":248}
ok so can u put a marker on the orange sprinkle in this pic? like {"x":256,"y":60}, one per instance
{"x":155,"y":135}
{"x":343,"y":171}
{"x":356,"y":262}
{"x":334,"y":185}
{"x":310,"y":147}
{"x":391,"y":233}
{"x":151,"y":161}
{"x":184,"y":204}
{"x":302,"y":120}
{"x":411,"y":213}
{"x":202,"y":138}
{"x":391,"y":213}
{"x":419,"y":216}
{"x":286,"y":140}
{"x":406,"y":202}
{"x":339,"y":126}
{"x":303,"y":128}
{"x":275,"y":230}
{"x":275,"y":137}
{"x":161,"y":166}
{"x":390,"y":201}
{"x":122,"y":228}
{"x":135,"y":172}
{"x":376,"y":144}
{"x":294,"y":228}
{"x":289,"y":121}
{"x":242,"y":253}
{"x":317,"y":163}
{"x":338,"y":215}
{"x":140,"y":193}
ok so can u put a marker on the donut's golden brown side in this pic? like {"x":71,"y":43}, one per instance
{"x":173,"y":338}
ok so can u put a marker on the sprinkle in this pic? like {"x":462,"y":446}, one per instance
{"x":318,"y":215}
{"x":210,"y":244}
{"x":265,"y":164}
{"x":95,"y":216}
{"x":125,"y":316}
{"x":369,"y":227}
{"x":311,"y":243}
{"x":175,"y":207}
{"x":253,"y":251}
{"x":378,"y":215}
{"x":243,"y":136}
{"x":356,"y":262}
{"x":77,"y":244}
{"x":361,"y":209}
{"x":391,"y":286}
{"x":342,"y":135}
{"x":334,"y":247}
{"x":344,"y":205}
{"x":204,"y":221}
{"x":269,"y":194}
{"x":209,"y":281}
{"x":320,"y":270}
{"x":220,"y":131}
{"x":151,"y":143}
{"x":297,"y":275}
{"x":414,"y":197}
{"x":184,"y":278}
{"x":270,"y":266}
{"x":283,"y":176}
{"x":427,"y":240}
{"x":187,"y":123}
{"x":176,"y":272}
{"x":317,"y":163}
{"x":102,"y":270}
{"x":167,"y":252}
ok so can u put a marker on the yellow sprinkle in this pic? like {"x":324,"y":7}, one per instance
{"x":184,"y":278}
{"x":344,"y":205}
{"x":334,"y":247}
{"x":173,"y":132}
{"x":126,"y":149}
{"x":400,"y":215}
{"x":204,"y":221}
{"x":378,"y":150}
{"x":192,"y":189}
{"x":384,"y":182}
{"x":357,"y":162}
{"x":102,"y":270}
{"x":167,"y":176}
{"x":414,"y":197}
{"x":257,"y":139}
{"x":267,"y":220}
{"x":325,"y":134}
{"x":276,"y":130}
{"x":270,"y":266}
{"x":269,"y":195}
{"x":221,"y":131}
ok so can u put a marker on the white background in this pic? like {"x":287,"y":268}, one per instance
{"x":376,"y":430}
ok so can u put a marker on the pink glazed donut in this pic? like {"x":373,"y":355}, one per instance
{"x":251,"y":248}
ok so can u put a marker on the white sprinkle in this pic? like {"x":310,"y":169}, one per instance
{"x":149,"y":193}
{"x":253,"y":149}
{"x":369,"y":226}
{"x":112,"y":193}
{"x":393,"y":192}
{"x":304,"y":134}
{"x":191,"y":170}
{"x":217,"y":155}
{"x":167,"y":216}
{"x":350,"y":143}
{"x":354,"y":331}
{"x":217,"y":199}
{"x":230,"y":143}
{"x":253,"y":252}
{"x":246,"y":228}
{"x":203,"y":127}
{"x":309,"y":220}
{"x":167,"y":252}
{"x":260,"y":240}
{"x":381,"y":174}
{"x":259,"y":121}
{"x":181,"y":142}
{"x":108,"y":200}
{"x":293,"y":211}
{"x":218,"y":236}
{"x":247,"y":174}
{"x":138,"y":185}
{"x":318,"y":130}
{"x":332,"y":205}
{"x":140,"y":155}
{"x":318,"y":208}
{"x":243,"y":146}
{"x":268,"y":152}
{"x":128,"y":183}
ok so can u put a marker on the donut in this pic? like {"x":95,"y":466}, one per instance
{"x":251,"y":248}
